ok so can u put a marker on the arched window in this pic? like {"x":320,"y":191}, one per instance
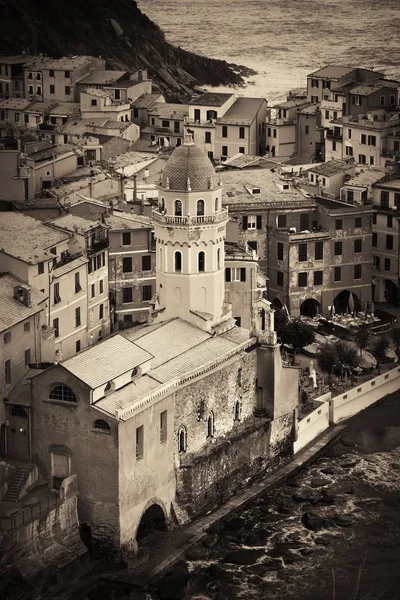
{"x":18,"y":411}
{"x":182,"y":439}
{"x":101,"y":425}
{"x":210,"y":425}
{"x":110,"y":386}
{"x":62,"y":393}
{"x":201,"y":262}
{"x":238,"y":411}
{"x":178,"y":262}
{"x":200,"y":208}
{"x":216,"y":205}
{"x":160,"y":266}
{"x":161,"y":205}
{"x":219,"y":258}
{"x":178,"y":208}
{"x":239,"y":377}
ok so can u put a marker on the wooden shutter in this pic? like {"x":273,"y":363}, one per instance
{"x":259,"y":221}
{"x":242,"y":274}
{"x":60,"y":465}
{"x":227,"y":274}
{"x":245,"y":222}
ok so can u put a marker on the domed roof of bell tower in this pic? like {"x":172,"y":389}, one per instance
{"x":189,"y":169}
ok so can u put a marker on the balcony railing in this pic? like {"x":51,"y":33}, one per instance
{"x":331,"y":134}
{"x":65,"y":258}
{"x":188,"y":220}
{"x":97,"y":246}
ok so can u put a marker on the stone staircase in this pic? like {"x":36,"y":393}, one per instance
{"x":16,"y":483}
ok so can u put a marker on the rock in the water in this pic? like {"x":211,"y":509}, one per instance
{"x":328,"y":497}
{"x":218,"y":572}
{"x":329,"y":470}
{"x":348,"y":442}
{"x":172,"y":587}
{"x":322,"y":541}
{"x":312,"y":521}
{"x":234,"y":524}
{"x":294,"y":483}
{"x":350,"y":490}
{"x":255,"y":579}
{"x":285,"y":506}
{"x":348,"y":463}
{"x":198,"y":553}
{"x":243,"y":557}
{"x":302,"y":495}
{"x":210,"y":540}
{"x":342,"y":520}
{"x":265,"y":567}
{"x":319,"y":482}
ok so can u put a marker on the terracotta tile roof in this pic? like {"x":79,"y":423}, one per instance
{"x":189,"y":162}
{"x":103,"y":362}
{"x":242,"y":112}
{"x":12,"y":311}
{"x":211,"y":99}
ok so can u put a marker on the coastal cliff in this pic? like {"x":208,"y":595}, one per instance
{"x":119,"y":32}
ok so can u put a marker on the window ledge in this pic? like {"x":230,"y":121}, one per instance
{"x":61,"y":402}
{"x":103,"y":432}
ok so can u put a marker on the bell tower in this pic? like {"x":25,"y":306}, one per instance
{"x":190,"y":229}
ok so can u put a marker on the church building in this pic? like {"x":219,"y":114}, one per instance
{"x":163,"y":422}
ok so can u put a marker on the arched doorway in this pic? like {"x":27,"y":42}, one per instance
{"x":343,"y":302}
{"x":391,"y":292}
{"x":309,"y":307}
{"x":153,"y":519}
{"x":276,"y":303}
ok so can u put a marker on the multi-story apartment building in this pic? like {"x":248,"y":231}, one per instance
{"x":49,"y":79}
{"x":371,"y":139}
{"x":318,"y":266}
{"x":359,"y":189}
{"x":25,"y":174}
{"x":327,"y":179}
{"x":203,"y":113}
{"x":165,"y":127}
{"x":12,"y":115}
{"x":281,"y":128}
{"x":64,"y":263}
{"x":97,"y":104}
{"x":309,"y":134}
{"x":241,"y":129}
{"x":385,"y":240}
{"x":320,"y":83}
{"x":24,"y":340}
{"x":12,"y":75}
{"x":142,"y":105}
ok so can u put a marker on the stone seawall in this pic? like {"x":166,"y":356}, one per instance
{"x":211,"y":478}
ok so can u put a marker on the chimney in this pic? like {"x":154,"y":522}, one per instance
{"x":22,"y":293}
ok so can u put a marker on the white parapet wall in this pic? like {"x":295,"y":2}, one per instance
{"x":357,"y":398}
{"x":314,"y":423}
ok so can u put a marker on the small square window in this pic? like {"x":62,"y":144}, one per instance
{"x":302,"y":279}
{"x":280,"y":251}
{"x":7,"y":337}
{"x":127,"y":264}
{"x":387,"y":264}
{"x":139,"y":442}
{"x":318,"y":277}
{"x":279,"y":278}
{"x":281,"y":221}
{"x":127,"y":295}
{"x":303,"y":254}
{"x":357,"y":246}
{"x":126,"y":238}
{"x":147,"y":293}
{"x":357,"y":271}
{"x":40,"y":268}
{"x":338,"y":224}
{"x":27,"y":326}
{"x":337,"y":274}
{"x":27,"y":357}
{"x":77,"y":317}
{"x":358,"y":222}
{"x":338,"y":248}
{"x":67,"y":90}
{"x":146,"y":263}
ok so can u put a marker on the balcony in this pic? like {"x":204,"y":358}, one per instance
{"x":334,"y":134}
{"x":65,"y":259}
{"x":391,"y":153}
{"x":98,"y":246}
{"x":290,"y":236}
{"x":188,"y":220}
{"x":207,"y":123}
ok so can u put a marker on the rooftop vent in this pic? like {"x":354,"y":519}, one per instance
{"x":253,"y":190}
{"x":22,"y":293}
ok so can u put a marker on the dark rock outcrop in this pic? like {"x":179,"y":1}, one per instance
{"x":243,"y":557}
{"x":119,"y":32}
{"x":312,"y":521}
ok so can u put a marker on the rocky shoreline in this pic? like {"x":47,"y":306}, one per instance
{"x":118,"y":31}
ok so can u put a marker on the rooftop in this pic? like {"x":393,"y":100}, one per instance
{"x":166,"y":110}
{"x":98,"y":93}
{"x":55,"y":108}
{"x":338,"y":207}
{"x":102,"y":77}
{"x":146,"y":100}
{"x":240,"y":161}
{"x":171,"y":364}
{"x":65,"y":63}
{"x":242,"y":112}
{"x":365,"y":178}
{"x":235,"y":192}
{"x":292,"y":103}
{"x":331,"y":72}
{"x":332,"y":167}
{"x":74,"y":224}
{"x":26,"y":238}
{"x":365,"y":89}
{"x":311,"y":109}
{"x":53,"y":152}
{"x":103,"y":362}
{"x":189,"y":164}
{"x":211,"y":99}
{"x":17,"y":59}
{"x":12,"y":311}
{"x":116,"y":124}
{"x":120,"y":221}
{"x":390,"y":184}
{"x":15,"y":103}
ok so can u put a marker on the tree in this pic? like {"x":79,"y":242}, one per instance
{"x":280,"y":318}
{"x":361,"y":337}
{"x":346,"y":354}
{"x":395,"y":335}
{"x":297,"y":334}
{"x":327,"y":358}
{"x":380,"y":346}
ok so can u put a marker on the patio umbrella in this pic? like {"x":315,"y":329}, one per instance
{"x":351,"y":302}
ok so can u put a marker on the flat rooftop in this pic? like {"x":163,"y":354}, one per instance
{"x":332,"y":167}
{"x":74,"y":224}
{"x":27,"y":239}
{"x":366,"y":178}
{"x":15,"y":103}
{"x":166,"y":110}
{"x":235,"y":184}
{"x":102,"y":77}
{"x":65,"y":63}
